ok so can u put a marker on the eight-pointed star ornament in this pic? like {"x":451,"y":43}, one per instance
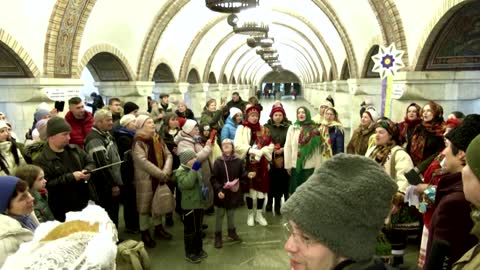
{"x":388,"y":61}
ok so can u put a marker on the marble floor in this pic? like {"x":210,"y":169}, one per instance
{"x":262,"y":247}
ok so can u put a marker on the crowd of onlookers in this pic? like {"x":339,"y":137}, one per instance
{"x":226,"y":158}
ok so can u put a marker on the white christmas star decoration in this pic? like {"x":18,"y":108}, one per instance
{"x":388,"y":61}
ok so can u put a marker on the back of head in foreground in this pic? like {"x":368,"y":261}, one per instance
{"x":336,"y":215}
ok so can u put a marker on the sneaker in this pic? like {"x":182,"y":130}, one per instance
{"x":250,"y":220}
{"x":202,"y":255}
{"x":260,"y":219}
{"x":192,"y":258}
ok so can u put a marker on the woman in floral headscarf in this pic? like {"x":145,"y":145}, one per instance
{"x":427,"y":138}
{"x":253,"y":142}
{"x":306,"y":147}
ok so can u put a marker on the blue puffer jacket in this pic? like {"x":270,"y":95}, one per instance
{"x":228,"y":130}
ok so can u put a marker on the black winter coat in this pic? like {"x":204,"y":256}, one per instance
{"x":124,"y":140}
{"x":219,"y":178}
{"x":188,"y":114}
{"x":65,"y":193}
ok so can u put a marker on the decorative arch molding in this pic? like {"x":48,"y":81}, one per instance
{"x":439,"y":21}
{"x":368,"y":63}
{"x":213,"y":54}
{"x":391,"y":26}
{"x":319,"y":36}
{"x":106,"y":48}
{"x":193,"y":76}
{"x":194,"y":44}
{"x":347,"y":42}
{"x":232,"y":80}
{"x":306,"y":66}
{"x":163,"y":74}
{"x":230,"y":55}
{"x":159,"y":62}
{"x":345,"y":75}
{"x":315,"y":71}
{"x":20,"y":54}
{"x":64,"y":34}
{"x":211,"y":78}
{"x":158,"y":26}
{"x":224,"y":79}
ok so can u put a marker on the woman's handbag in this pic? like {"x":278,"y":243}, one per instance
{"x":231,"y":185}
{"x":163,"y":201}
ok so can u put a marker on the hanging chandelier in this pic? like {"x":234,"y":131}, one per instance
{"x":231,"y":6}
{"x":248,"y":27}
{"x":264,"y":42}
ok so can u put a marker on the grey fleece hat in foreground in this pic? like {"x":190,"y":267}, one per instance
{"x":343,"y":205}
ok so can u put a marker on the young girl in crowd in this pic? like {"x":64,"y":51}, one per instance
{"x":34,"y":176}
{"x":226,"y":174}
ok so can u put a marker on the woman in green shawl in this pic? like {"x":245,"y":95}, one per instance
{"x":306,"y":147}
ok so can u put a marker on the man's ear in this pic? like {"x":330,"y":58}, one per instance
{"x":461,"y":156}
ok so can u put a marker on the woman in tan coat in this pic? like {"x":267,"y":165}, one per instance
{"x":153,"y":166}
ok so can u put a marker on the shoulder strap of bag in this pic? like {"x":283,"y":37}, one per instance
{"x":226,"y":170}
{"x":393,"y":171}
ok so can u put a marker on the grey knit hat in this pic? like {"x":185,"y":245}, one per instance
{"x":343,"y":205}
{"x":57,"y":125}
{"x":186,"y":156}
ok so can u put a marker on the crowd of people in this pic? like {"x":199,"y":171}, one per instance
{"x":419,"y":176}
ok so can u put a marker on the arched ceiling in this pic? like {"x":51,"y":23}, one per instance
{"x":312,"y":37}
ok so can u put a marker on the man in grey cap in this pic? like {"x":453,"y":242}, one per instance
{"x":335,"y":217}
{"x":66,"y":167}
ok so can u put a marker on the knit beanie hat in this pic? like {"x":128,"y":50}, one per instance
{"x":181,"y":121}
{"x":7,"y":187}
{"x":40,"y":114}
{"x":343,"y":209}
{"x":41,"y":127}
{"x":234,"y":111}
{"x":126,"y":119}
{"x":140,"y":121}
{"x":253,"y":109}
{"x":373,"y":114}
{"x":463,"y":134}
{"x":473,"y":156}
{"x":3,"y":124}
{"x":189,"y":126}
{"x":130,"y":107}
{"x":186,"y":156}
{"x":57,"y":125}
{"x":278,"y":109}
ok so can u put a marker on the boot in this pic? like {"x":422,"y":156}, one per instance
{"x":218,"y":240}
{"x":189,"y":242}
{"x":169,"y":219}
{"x":147,"y":239}
{"x":250,"y":219}
{"x":260,"y":219}
{"x":199,"y":246}
{"x":232,"y":233}
{"x":268,"y":208}
{"x":278,"y":204}
{"x":161,"y":233}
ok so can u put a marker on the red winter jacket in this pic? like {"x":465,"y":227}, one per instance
{"x":80,"y":128}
